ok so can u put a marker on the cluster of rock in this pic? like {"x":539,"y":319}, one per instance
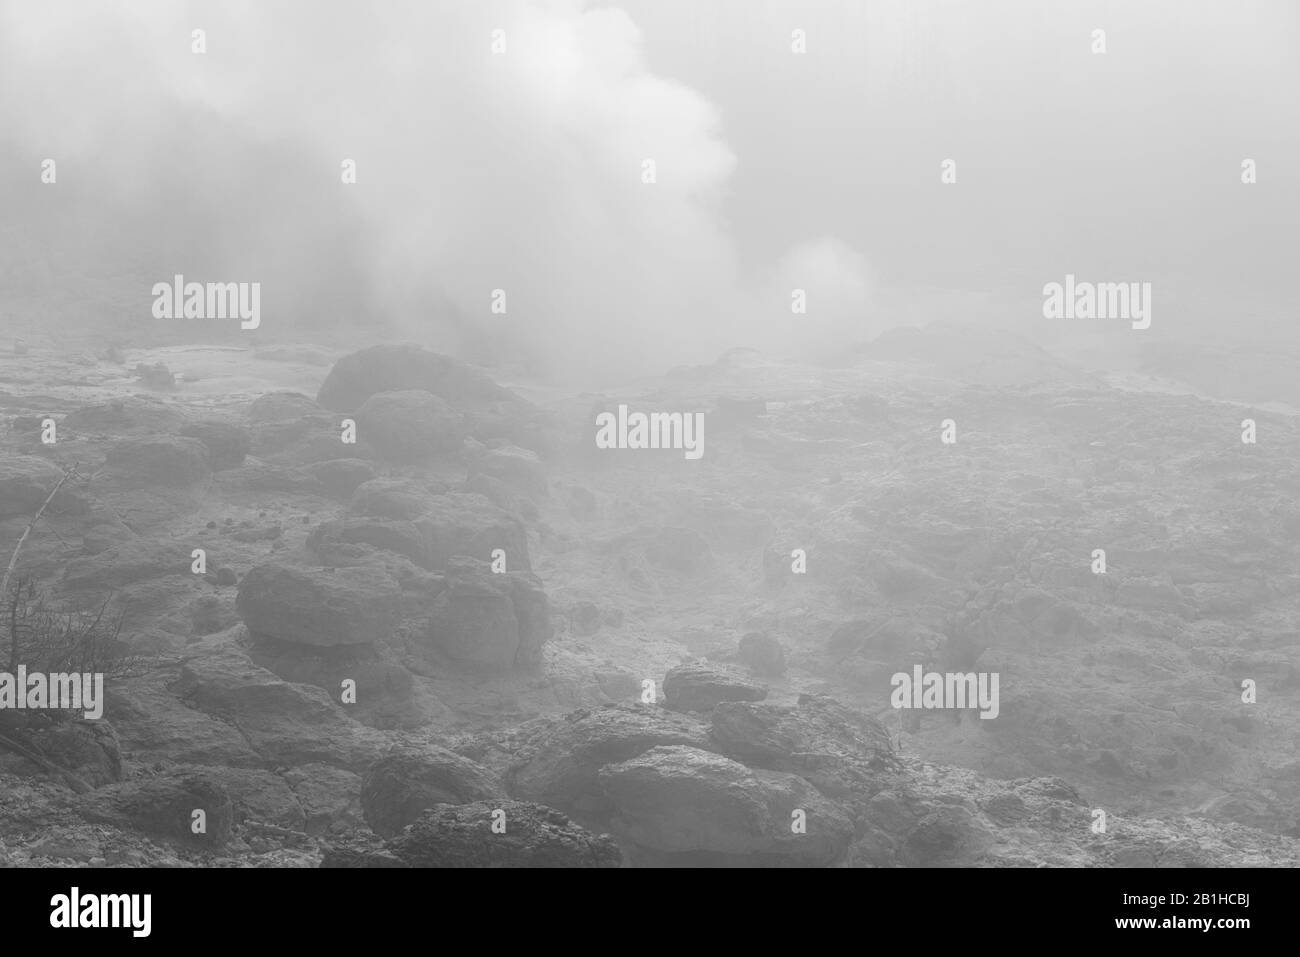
{"x":740,"y":781}
{"x":406,"y":575}
{"x":243,"y":716}
{"x":979,"y":556}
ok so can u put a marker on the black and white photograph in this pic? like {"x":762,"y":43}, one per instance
{"x":650,"y":434}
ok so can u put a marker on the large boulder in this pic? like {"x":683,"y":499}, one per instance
{"x":383,"y":686}
{"x":778,"y":736}
{"x":559,"y":766}
{"x":387,"y":368}
{"x":682,"y":800}
{"x":284,"y":723}
{"x":164,"y":805}
{"x":695,"y":686}
{"x":351,"y":540}
{"x":159,"y":460}
{"x":400,"y":786}
{"x":26,"y":482}
{"x":411,"y":425}
{"x":533,"y":836}
{"x":227,"y":443}
{"x":288,"y":428}
{"x":342,"y":477}
{"x":518,"y":468}
{"x":282,"y":407}
{"x":393,"y":498}
{"x":490,"y":411}
{"x":499,"y":621}
{"x":324,"y":607}
{"x":461,"y":523}
{"x":845,"y":753}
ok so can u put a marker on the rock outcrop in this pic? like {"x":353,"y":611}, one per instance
{"x":165,"y":806}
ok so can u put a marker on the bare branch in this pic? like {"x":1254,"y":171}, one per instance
{"x":22,"y":539}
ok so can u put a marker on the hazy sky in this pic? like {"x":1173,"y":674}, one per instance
{"x":523,"y":169}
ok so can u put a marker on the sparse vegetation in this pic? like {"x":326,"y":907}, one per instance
{"x":48,"y":638}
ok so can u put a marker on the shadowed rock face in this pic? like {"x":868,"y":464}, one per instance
{"x":165,"y":806}
{"x":317,"y":606}
{"x":89,"y":749}
{"x":400,"y":786}
{"x":533,"y":836}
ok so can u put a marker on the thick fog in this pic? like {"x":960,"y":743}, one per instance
{"x":521,"y":169}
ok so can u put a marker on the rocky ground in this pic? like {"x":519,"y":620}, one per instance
{"x":471,"y":616}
